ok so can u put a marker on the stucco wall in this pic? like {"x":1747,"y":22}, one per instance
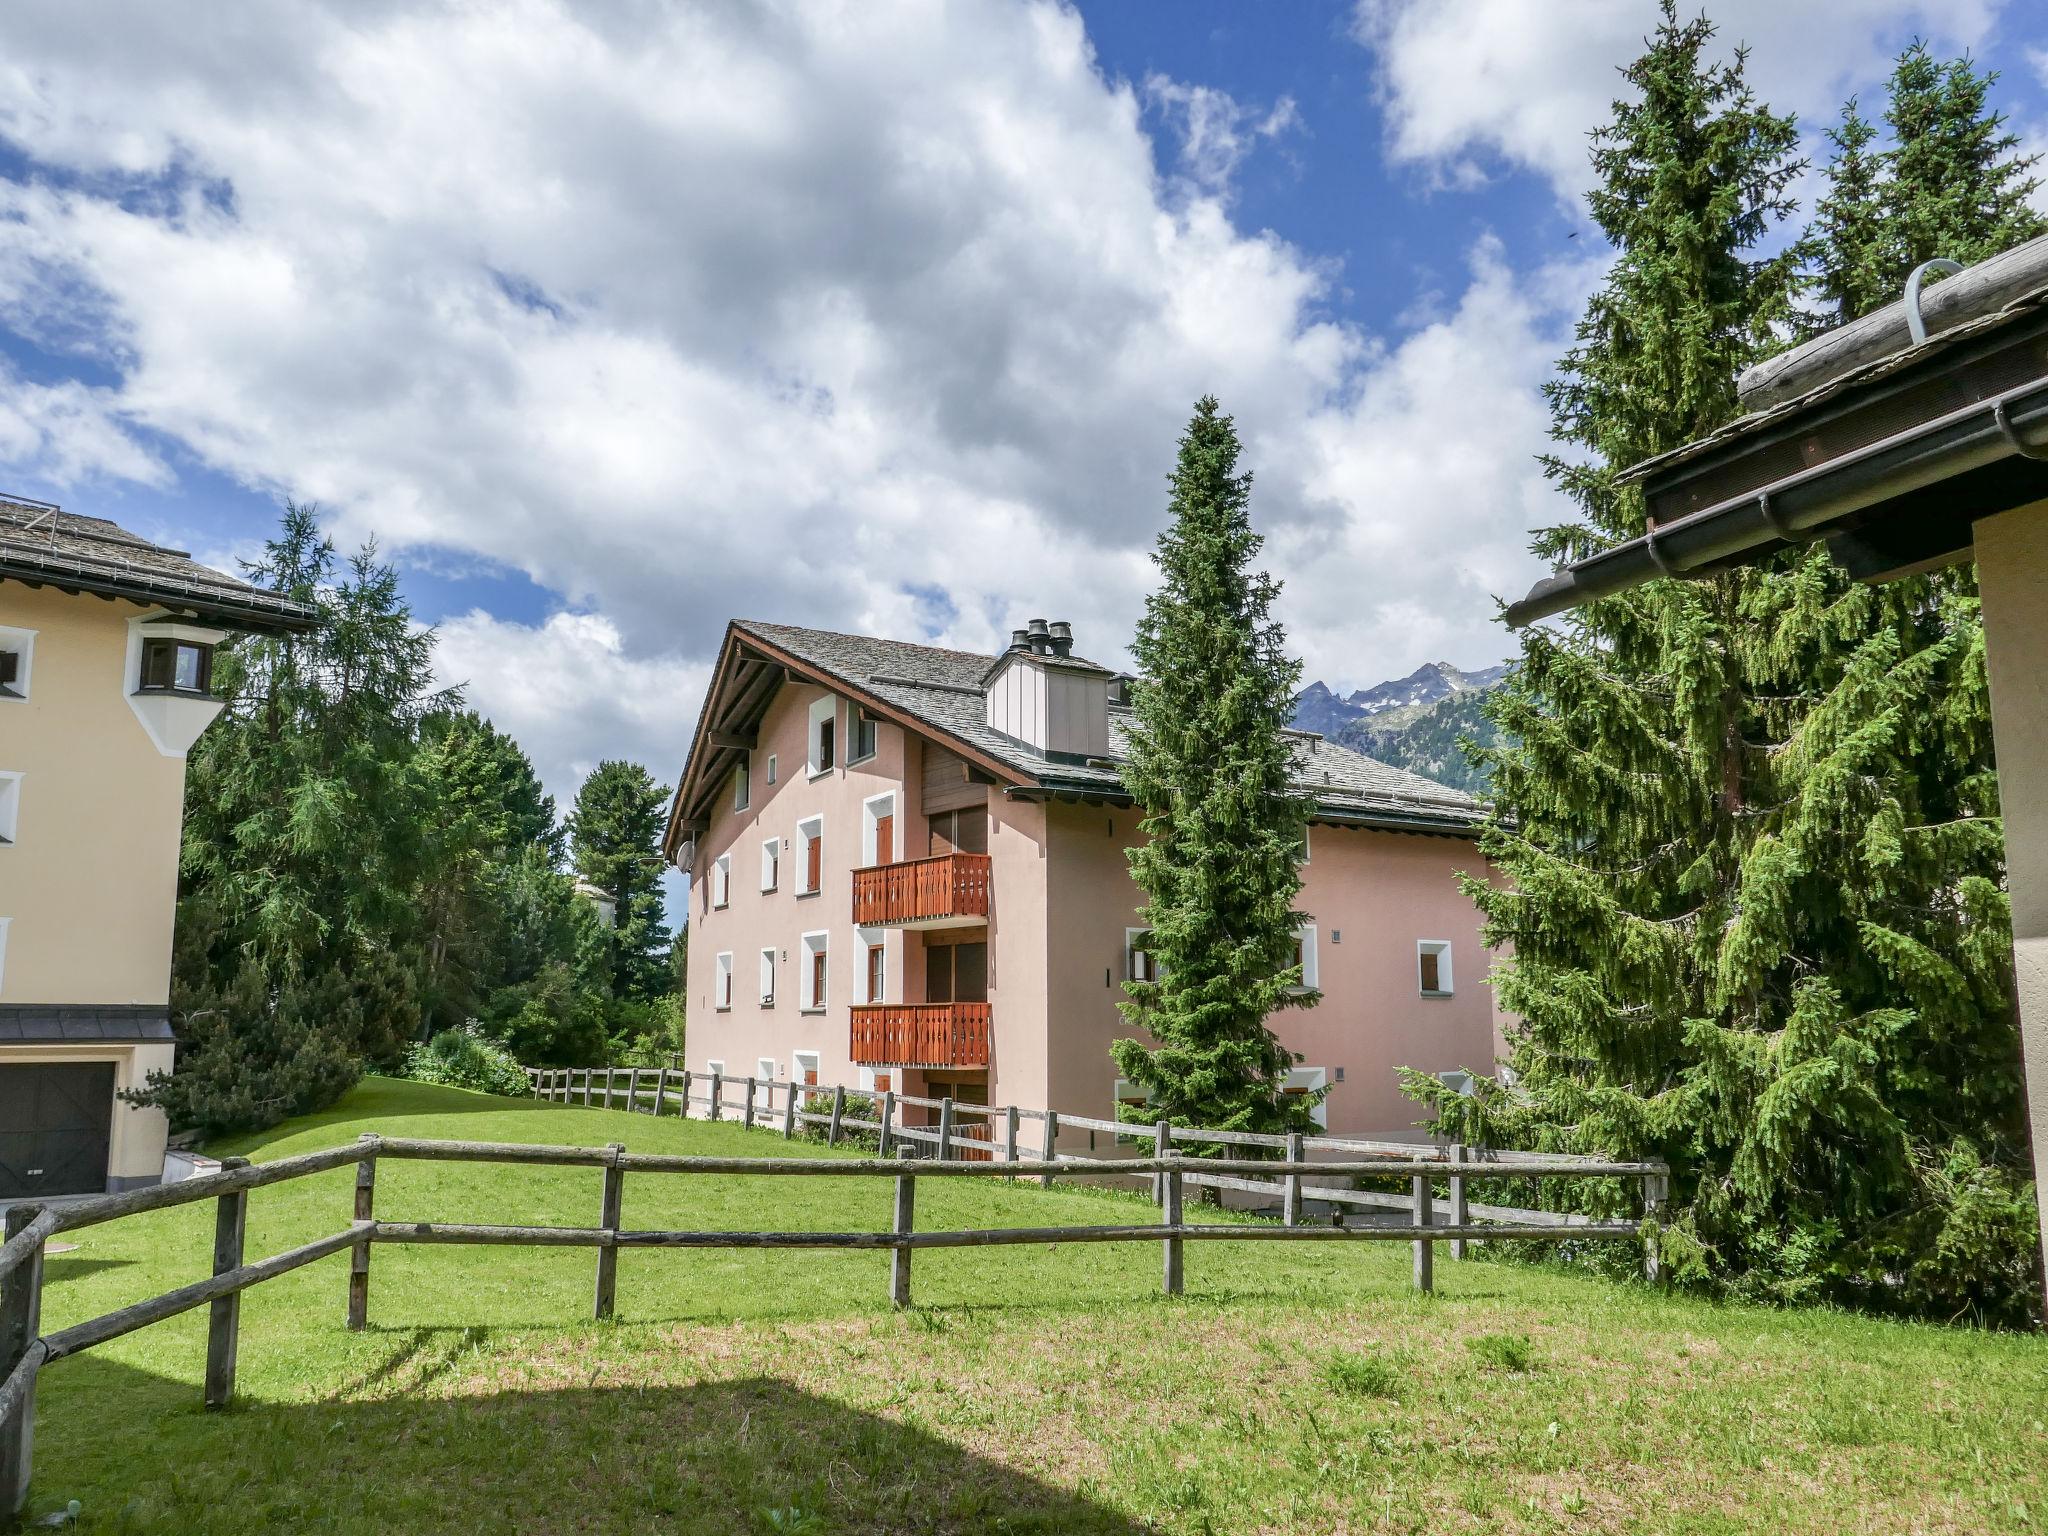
{"x":90,"y":883}
{"x":2012,"y":573}
{"x":1381,"y":891}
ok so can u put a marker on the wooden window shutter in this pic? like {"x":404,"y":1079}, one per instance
{"x":878,"y":970}
{"x":885,"y":839}
{"x":814,"y":863}
{"x":1429,"y":971}
{"x":817,"y":978}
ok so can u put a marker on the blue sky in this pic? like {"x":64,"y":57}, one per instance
{"x":611,"y":325}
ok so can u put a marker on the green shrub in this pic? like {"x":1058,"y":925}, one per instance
{"x":465,"y":1057}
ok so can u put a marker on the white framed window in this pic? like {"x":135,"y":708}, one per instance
{"x":1305,"y":848}
{"x":10,"y":806}
{"x":803,"y":1068}
{"x":1433,"y":967}
{"x":824,"y":732}
{"x":863,"y":735}
{"x":810,"y":856}
{"x":1310,"y":1080}
{"x":721,"y":880}
{"x":4,"y":921}
{"x":743,"y":783}
{"x":813,"y":974}
{"x":1139,"y":964}
{"x":17,"y":660}
{"x":771,"y":767}
{"x":721,"y":982}
{"x":771,"y":863}
{"x":881,"y":835}
{"x":875,"y":957}
{"x":768,"y":978}
{"x":1305,"y":957}
{"x":877,"y":1079}
{"x":764,"y":1068}
{"x":714,"y":1067}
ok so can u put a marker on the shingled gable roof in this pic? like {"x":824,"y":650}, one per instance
{"x":43,"y":545}
{"x":939,"y":693}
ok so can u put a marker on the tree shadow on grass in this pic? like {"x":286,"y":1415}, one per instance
{"x":749,"y":1455}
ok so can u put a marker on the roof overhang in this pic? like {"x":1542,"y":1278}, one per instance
{"x":262,"y":612}
{"x":1420,"y":818}
{"x":1892,"y":468}
{"x":750,"y":671}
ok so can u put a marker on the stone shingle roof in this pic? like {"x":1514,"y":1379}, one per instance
{"x":46,"y":545}
{"x":943,"y":688}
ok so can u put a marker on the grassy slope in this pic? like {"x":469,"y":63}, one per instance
{"x":1049,"y":1390}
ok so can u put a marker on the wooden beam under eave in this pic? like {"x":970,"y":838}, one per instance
{"x":739,"y":741}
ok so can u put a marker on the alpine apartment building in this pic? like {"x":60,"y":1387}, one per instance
{"x":908,"y":870}
{"x":106,"y":657}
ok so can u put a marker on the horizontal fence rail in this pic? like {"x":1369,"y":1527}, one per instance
{"x":991,"y":1147}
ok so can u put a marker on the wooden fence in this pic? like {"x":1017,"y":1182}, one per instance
{"x":25,"y":1349}
{"x":999,"y":1132}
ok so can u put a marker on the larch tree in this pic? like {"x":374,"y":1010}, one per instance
{"x":1211,"y":768}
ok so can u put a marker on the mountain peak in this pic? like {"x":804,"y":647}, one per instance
{"x":1319,"y":708}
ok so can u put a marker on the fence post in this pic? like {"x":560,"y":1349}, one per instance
{"x":588,"y":1075}
{"x":1170,"y":1218}
{"x":1656,"y":1190}
{"x":838,"y":1109}
{"x":21,"y":1307}
{"x":1425,"y":1249}
{"x":899,"y":1256}
{"x":789,"y":1111}
{"x":717,"y":1093}
{"x":686,"y":1093}
{"x":608,"y":1218}
{"x":1162,"y":1143}
{"x":660,"y":1090}
{"x":359,"y":1255}
{"x":1459,"y":1215}
{"x":945,"y":1127}
{"x":1010,"y":1136}
{"x":1290,"y":1198}
{"x":888,"y":1120}
{"x":224,"y":1316}
{"x":747,"y":1117}
{"x":1052,"y":1140}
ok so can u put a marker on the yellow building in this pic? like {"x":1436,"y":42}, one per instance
{"x":106,"y":656}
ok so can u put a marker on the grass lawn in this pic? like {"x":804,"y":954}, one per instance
{"x":1296,"y":1387}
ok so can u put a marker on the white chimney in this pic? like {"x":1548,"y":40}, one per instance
{"x":1039,"y":694}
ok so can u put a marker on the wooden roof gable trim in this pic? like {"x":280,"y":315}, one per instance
{"x":721,"y":717}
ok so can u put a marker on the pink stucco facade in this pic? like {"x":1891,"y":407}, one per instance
{"x":1060,"y":905}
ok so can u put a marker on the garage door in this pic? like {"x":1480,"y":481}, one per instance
{"x":54,"y":1125}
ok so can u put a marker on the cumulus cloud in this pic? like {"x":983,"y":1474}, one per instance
{"x":568,"y":691}
{"x":881,"y":318}
{"x":1489,"y":83}
{"x":70,"y":433}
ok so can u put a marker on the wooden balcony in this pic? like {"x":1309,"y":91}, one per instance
{"x":921,"y":1035}
{"x":947,"y":891}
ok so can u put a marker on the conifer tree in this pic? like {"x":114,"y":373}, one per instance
{"x":1746,"y":821}
{"x":1211,"y":768}
{"x":1956,"y":189}
{"x":615,"y":844}
{"x":1851,"y":246}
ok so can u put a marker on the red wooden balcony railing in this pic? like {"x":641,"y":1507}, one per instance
{"x":921,"y":1034}
{"x":948,"y":890}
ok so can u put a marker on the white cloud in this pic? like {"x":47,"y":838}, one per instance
{"x":1216,"y":130}
{"x":70,"y":433}
{"x":1519,"y":82}
{"x":571,"y":695}
{"x":880,"y":318}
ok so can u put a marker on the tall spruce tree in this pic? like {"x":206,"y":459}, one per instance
{"x":1211,"y":769}
{"x":615,"y":844}
{"x":1851,"y":247}
{"x":1956,"y":189}
{"x":1752,"y":863}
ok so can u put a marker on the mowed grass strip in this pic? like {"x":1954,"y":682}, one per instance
{"x":1299,"y":1387}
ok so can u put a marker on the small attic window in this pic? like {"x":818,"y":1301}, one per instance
{"x":17,"y":651}
{"x":176,"y":666}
